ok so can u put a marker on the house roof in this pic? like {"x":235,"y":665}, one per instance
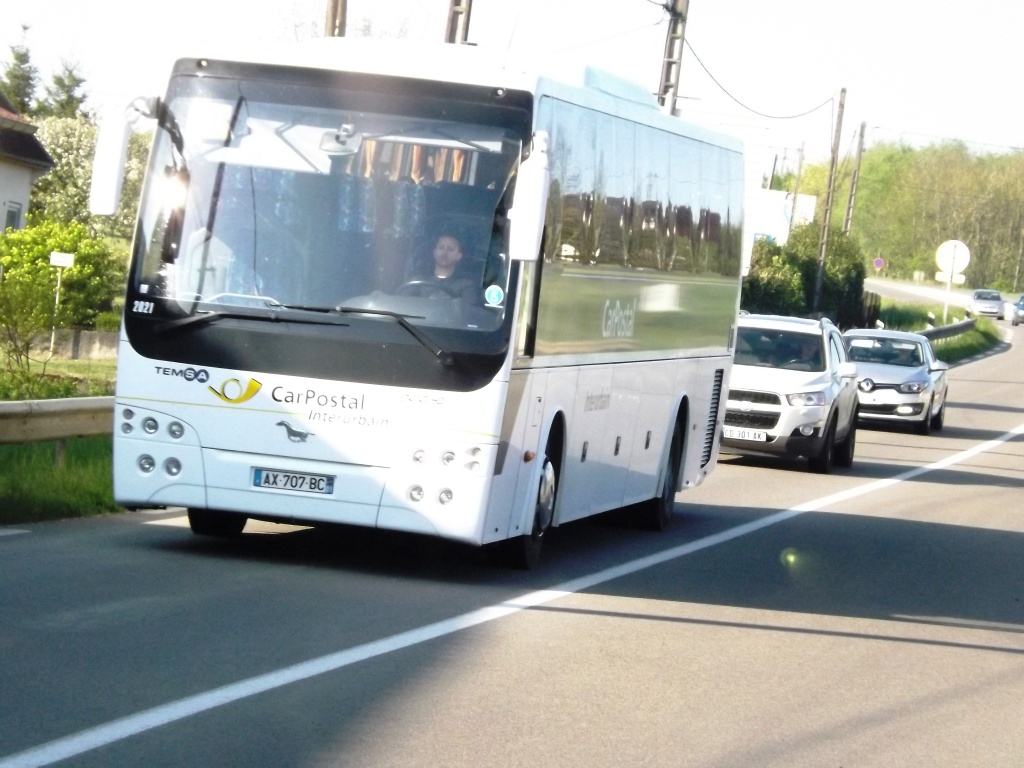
{"x":18,"y":142}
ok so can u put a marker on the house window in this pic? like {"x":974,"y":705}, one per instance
{"x":13,"y":220}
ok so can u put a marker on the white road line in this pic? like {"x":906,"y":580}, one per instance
{"x":11,"y":531}
{"x":117,"y":730}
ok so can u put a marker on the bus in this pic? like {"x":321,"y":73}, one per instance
{"x":287,"y":355}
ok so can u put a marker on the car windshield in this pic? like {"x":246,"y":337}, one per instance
{"x":790,"y":350}
{"x":986,"y":295}
{"x":867,"y":349}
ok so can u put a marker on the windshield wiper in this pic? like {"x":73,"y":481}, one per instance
{"x":437,"y":351}
{"x":272,"y":315}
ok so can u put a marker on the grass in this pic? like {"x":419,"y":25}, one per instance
{"x":34,"y":489}
{"x":95,"y":377}
{"x":917,"y":317}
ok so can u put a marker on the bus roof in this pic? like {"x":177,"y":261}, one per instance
{"x":472,"y":65}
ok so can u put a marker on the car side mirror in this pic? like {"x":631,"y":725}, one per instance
{"x":847,"y":370}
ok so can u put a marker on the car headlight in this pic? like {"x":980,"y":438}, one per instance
{"x":913,"y":387}
{"x":806,"y":398}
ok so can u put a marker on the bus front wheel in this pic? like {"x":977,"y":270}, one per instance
{"x":208,"y":522}
{"x":524,"y":551}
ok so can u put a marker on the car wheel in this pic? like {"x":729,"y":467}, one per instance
{"x":822,"y":463}
{"x":939,"y":418}
{"x":924,"y":426}
{"x":844,"y":452}
{"x":207,"y":522}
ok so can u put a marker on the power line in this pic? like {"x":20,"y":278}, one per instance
{"x":724,"y":90}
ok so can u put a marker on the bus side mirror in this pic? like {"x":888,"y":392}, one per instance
{"x":530,"y":204}
{"x":108,"y":164}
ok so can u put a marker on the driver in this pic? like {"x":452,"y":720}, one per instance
{"x":446,"y":277}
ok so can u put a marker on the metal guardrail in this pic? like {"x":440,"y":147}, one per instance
{"x":35,"y":421}
{"x":948,"y":331}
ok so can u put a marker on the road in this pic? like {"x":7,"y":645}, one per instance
{"x":873,"y":617}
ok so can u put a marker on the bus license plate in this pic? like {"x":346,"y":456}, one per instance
{"x":736,"y":433}
{"x":292,"y":481}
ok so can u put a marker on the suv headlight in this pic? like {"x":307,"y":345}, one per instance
{"x":806,"y":398}
{"x":913,"y":387}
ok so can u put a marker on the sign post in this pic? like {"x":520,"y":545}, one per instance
{"x":60,"y":261}
{"x":952,"y":258}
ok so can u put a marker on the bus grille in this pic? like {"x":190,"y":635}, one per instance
{"x":712,"y":430}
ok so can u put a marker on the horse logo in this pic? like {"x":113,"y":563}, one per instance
{"x":295,"y":435}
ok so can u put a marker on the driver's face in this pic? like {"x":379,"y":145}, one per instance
{"x":447,"y":253}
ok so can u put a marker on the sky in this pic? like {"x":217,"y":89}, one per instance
{"x":914,"y":71}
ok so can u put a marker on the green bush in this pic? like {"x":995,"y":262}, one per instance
{"x":108,"y":321}
{"x":21,"y":385}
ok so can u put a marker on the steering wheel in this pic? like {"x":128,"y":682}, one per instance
{"x":417,"y":288}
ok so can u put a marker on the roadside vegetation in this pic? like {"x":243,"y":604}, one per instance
{"x":33,"y":488}
{"x":917,"y":317}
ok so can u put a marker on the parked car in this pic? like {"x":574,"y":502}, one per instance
{"x":792,"y":392}
{"x":899,"y":379}
{"x":1017,"y":311}
{"x":988,"y":303}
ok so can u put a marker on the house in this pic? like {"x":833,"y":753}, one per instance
{"x":23,"y":159}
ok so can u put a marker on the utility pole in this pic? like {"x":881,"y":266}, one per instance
{"x":672,"y":62}
{"x":337,"y":12}
{"x":853,"y":182}
{"x":796,"y":189}
{"x":823,"y":240}
{"x":457,"y":29}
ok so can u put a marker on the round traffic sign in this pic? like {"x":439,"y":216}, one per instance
{"x":879,"y":263}
{"x":953,"y":257}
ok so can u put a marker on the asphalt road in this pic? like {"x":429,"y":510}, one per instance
{"x":873,"y":617}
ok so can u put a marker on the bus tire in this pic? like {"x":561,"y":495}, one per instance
{"x":523,"y":552}
{"x":656,"y":514}
{"x":208,"y":522}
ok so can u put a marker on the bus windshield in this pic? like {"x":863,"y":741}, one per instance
{"x":300,"y":201}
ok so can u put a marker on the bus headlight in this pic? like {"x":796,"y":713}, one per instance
{"x":149,"y":425}
{"x":445,"y":496}
{"x":416,"y":493}
{"x":172,"y":467}
{"x":146,"y":463}
{"x":447,"y":458}
{"x":175,"y":430}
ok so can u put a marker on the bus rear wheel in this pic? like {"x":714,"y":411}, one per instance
{"x":656,"y":514}
{"x":208,"y":522}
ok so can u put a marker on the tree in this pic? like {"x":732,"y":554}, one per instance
{"x":782,"y":278}
{"x":27,"y":287}
{"x":20,"y":79}
{"x":63,"y":97}
{"x":63,"y":194}
{"x":773,"y":285}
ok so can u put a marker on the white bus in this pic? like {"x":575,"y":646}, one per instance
{"x":288,"y":354}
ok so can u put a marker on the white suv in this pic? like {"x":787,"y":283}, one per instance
{"x":792,"y":392}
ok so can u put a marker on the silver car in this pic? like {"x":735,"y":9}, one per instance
{"x":986,"y":303}
{"x":899,"y":379}
{"x":1017,"y":311}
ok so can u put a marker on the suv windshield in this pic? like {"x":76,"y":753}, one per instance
{"x":790,"y":350}
{"x":296,"y":199}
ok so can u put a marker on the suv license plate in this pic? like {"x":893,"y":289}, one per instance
{"x":735,"y":433}
{"x":292,"y":481}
